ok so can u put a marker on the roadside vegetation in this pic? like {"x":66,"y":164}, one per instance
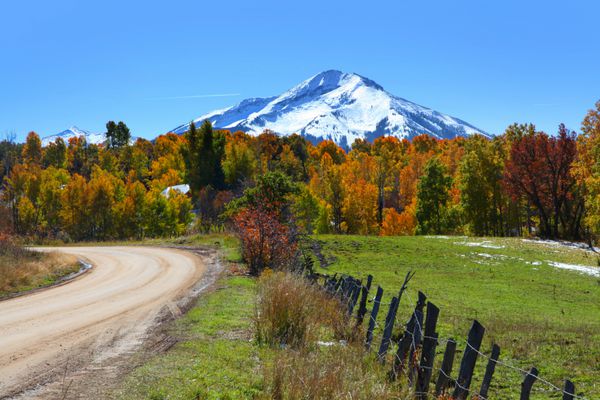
{"x":22,"y":269}
{"x":259,"y":338}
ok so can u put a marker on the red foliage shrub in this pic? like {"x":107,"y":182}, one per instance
{"x":266,"y":242}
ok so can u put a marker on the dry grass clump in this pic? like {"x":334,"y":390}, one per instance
{"x":293,"y":315}
{"x":23,"y":269}
{"x":292,"y":312}
{"x":339,"y":372}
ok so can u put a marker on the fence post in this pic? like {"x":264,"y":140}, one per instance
{"x":362,"y":308}
{"x":528,"y":383}
{"x":406,"y":340}
{"x":467,"y":365}
{"x":373,"y":319}
{"x":446,"y":369}
{"x":417,"y":337}
{"x":331,"y":283}
{"x":569,"y":390}
{"x":407,"y":278}
{"x":428,"y":354}
{"x":489,"y":371}
{"x":338,"y":284}
{"x":354,"y":298}
{"x":387,"y":330}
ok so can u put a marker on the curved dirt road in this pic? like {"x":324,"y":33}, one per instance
{"x":110,"y":306}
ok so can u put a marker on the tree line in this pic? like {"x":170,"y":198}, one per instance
{"x":523,"y":182}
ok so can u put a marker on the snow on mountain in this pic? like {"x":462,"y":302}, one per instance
{"x":91,"y":138}
{"x":337,"y":106}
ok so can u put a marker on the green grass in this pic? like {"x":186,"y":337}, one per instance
{"x":214,"y":360}
{"x":537,"y":314}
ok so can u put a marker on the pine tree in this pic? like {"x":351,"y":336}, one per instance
{"x":432,"y":197}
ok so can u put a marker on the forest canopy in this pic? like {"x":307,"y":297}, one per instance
{"x":523,"y":182}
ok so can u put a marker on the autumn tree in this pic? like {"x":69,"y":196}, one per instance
{"x":266,"y":242}
{"x":306,"y":210}
{"x":75,"y":211}
{"x":32,"y":151}
{"x":239,"y":162}
{"x":480,"y":183}
{"x":10,"y":152}
{"x":587,"y":168}
{"x":55,"y":154}
{"x":539,"y":169}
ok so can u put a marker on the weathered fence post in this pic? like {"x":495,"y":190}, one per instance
{"x":428,"y":354}
{"x":405,"y":342}
{"x":387,"y":330}
{"x":373,"y":319}
{"x":569,"y":390}
{"x":446,"y":369}
{"x":354,"y":298}
{"x":417,"y":337}
{"x":362,"y":308}
{"x":467,"y":365}
{"x":407,"y":278}
{"x":330,"y":283}
{"x":338,"y":284}
{"x":528,"y":383}
{"x":489,"y":371}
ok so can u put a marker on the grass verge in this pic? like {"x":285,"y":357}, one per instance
{"x":22,"y":270}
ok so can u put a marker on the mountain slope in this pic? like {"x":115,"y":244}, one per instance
{"x":337,"y":106}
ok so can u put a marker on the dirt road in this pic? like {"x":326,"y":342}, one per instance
{"x":45,"y":335}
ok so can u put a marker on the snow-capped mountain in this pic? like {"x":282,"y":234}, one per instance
{"x":337,"y":106}
{"x":91,"y":138}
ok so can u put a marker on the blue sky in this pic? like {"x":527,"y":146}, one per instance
{"x":82,"y":63}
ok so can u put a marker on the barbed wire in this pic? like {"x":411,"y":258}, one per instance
{"x":498,"y":361}
{"x":441,"y":340}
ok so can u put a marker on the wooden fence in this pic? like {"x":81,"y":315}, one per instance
{"x":418,"y":341}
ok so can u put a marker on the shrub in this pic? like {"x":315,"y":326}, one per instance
{"x":292,"y":312}
{"x":266,"y":242}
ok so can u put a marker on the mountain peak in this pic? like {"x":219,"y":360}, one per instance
{"x":337,"y":106}
{"x":74,"y":131}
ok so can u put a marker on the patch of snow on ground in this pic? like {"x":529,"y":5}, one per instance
{"x":562,"y":243}
{"x":486,"y":255}
{"x":438,"y":237}
{"x":584,"y":269}
{"x":486,"y":244}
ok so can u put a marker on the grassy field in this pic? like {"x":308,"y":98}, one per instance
{"x":22,"y":270}
{"x":538,"y":314}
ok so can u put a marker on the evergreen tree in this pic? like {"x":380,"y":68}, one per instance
{"x":432,"y":197}
{"x":203,"y":156}
{"x":117,"y":135}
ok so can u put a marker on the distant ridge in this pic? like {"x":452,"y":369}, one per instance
{"x":91,"y":138}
